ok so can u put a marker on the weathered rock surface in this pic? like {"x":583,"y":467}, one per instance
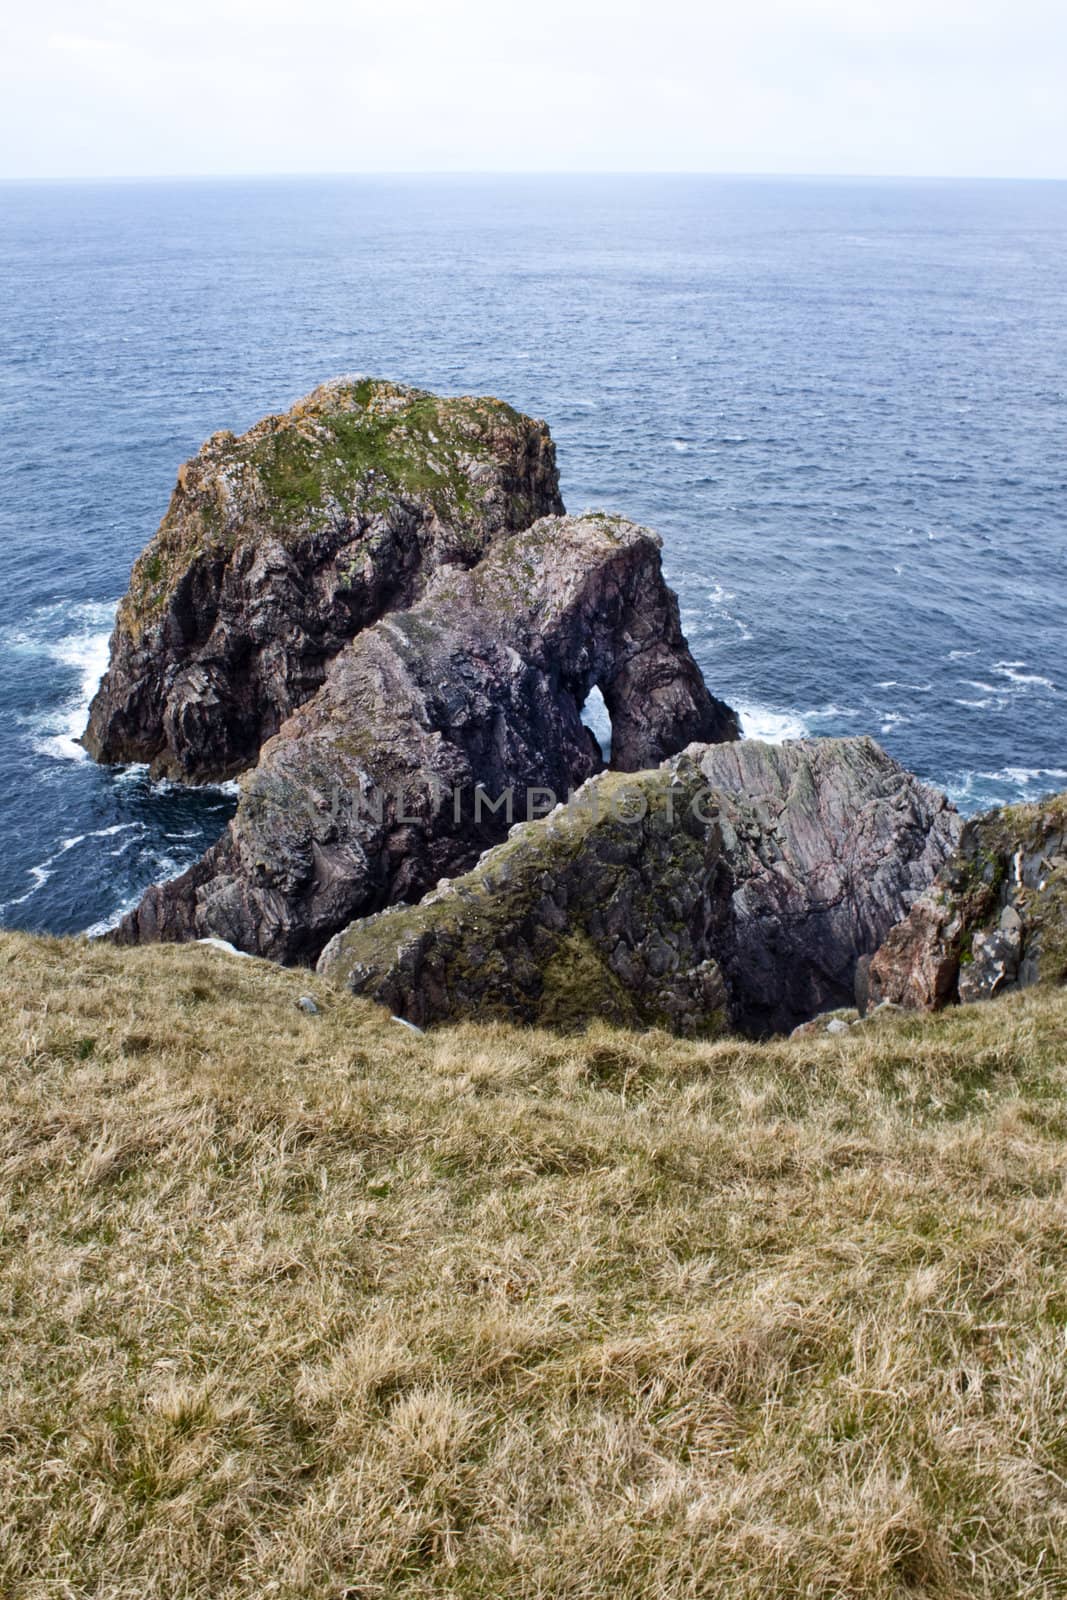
{"x":480,"y":682}
{"x":994,"y":920}
{"x":736,"y":885}
{"x":281,"y":545}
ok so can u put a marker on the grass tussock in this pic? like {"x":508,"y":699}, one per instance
{"x":308,"y":1306}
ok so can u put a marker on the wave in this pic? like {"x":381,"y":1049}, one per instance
{"x":164,"y":869}
{"x":718,"y":595}
{"x":773,"y":727}
{"x":42,"y":872}
{"x":1010,"y":670}
{"x":76,"y":638}
{"x":1026,"y":776}
{"x":982,"y":789}
{"x":773,"y":724}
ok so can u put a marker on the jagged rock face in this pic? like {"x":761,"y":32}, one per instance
{"x":353,"y":805}
{"x":281,"y":545}
{"x":843,"y":840}
{"x":735,"y":886}
{"x":994,"y":920}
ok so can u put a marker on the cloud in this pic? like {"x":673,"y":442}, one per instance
{"x":78,"y":44}
{"x":934,"y":86}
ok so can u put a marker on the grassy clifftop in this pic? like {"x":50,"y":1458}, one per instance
{"x":311,"y":1306}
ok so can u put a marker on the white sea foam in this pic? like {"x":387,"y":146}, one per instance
{"x":40,"y":874}
{"x":136,"y":772}
{"x":1026,"y":777}
{"x":1021,"y":783}
{"x":96,"y":930}
{"x":830,"y":713}
{"x":680,"y":445}
{"x":773,"y":724}
{"x":81,"y":646}
{"x":1010,"y":670}
{"x":764,"y":722}
{"x":718,"y":595}
{"x":166,"y":868}
{"x":164,"y":786}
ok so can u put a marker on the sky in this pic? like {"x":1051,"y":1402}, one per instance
{"x":138,"y":88}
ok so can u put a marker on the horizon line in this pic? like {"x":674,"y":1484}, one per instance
{"x":731,"y":174}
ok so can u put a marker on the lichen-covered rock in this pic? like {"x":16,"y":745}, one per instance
{"x":736,"y":885}
{"x":368,"y":793}
{"x":281,"y":545}
{"x":994,"y":920}
{"x":598,"y":911}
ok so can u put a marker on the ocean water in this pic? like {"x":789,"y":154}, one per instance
{"x":842,"y":403}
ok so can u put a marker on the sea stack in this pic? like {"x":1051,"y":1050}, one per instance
{"x":281,"y":544}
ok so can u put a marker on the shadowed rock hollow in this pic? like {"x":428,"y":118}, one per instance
{"x":281,"y":545}
{"x":736,"y":886}
{"x":480,"y":682}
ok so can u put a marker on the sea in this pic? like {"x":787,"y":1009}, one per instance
{"x":842,"y":403}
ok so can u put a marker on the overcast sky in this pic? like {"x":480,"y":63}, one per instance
{"x":94,"y":88}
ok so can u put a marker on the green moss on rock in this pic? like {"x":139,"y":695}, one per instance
{"x":353,"y":446}
{"x":562,"y":923}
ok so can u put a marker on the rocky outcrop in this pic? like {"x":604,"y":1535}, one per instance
{"x":994,"y":920}
{"x":737,"y":885}
{"x":281,"y":545}
{"x":369,"y":792}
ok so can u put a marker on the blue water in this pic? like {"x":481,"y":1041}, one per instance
{"x":843,"y":404}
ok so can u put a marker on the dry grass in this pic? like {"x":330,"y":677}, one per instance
{"x":309,"y":1306}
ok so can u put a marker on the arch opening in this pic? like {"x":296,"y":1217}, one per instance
{"x":597,"y":718}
